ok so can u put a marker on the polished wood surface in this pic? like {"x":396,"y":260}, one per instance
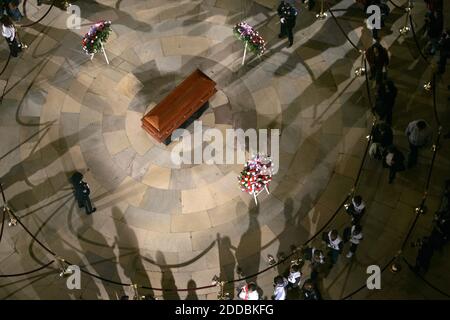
{"x":175,"y":109}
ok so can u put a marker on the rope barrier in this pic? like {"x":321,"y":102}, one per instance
{"x":6,"y":64}
{"x":31,"y":234}
{"x":425,"y":280}
{"x":27,"y":26}
{"x":396,"y":5}
{"x":310,"y":239}
{"x":365,"y":286}
{"x":26,"y":273}
{"x":3,"y":225}
{"x":411,"y":23}
{"x":342,"y":30}
{"x":42,"y":18}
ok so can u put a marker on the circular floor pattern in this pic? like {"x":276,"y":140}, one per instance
{"x":159,"y":224}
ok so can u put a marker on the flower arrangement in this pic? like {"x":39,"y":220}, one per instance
{"x":257,"y":174}
{"x":98,"y":34}
{"x":244,"y":32}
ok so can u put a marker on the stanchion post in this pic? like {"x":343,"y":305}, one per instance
{"x":361,"y":71}
{"x":405,"y":29}
{"x":6,"y":210}
{"x":322,"y":14}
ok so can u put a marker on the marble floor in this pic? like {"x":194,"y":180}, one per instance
{"x":161,"y":225}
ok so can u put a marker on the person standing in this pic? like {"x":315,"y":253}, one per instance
{"x":12,"y":9}
{"x":310,"y":291}
{"x":294,"y":277}
{"x":435,"y":27}
{"x":288,"y":16}
{"x":356,"y":209}
{"x":378,"y":59}
{"x":9,"y":33}
{"x":390,"y":97}
{"x":85,"y":192}
{"x":419,"y":135}
{"x":394,"y":160}
{"x":280,"y":284}
{"x":334,"y":243}
{"x":249,"y":292}
{"x":444,"y":44}
{"x":316,"y":258}
{"x":354,"y":235}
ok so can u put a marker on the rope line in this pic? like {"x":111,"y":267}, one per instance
{"x":411,"y":23}
{"x":317,"y":233}
{"x":396,"y":5}
{"x":6,"y":64}
{"x":3,"y":225}
{"x":40,"y":19}
{"x":425,"y":280}
{"x":26,"y":273}
{"x":342,"y":30}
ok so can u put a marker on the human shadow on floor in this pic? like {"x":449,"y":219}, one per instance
{"x":227,"y":262}
{"x":100,"y":255}
{"x":248,"y":252}
{"x":192,"y":294}
{"x":167,"y":279}
{"x":129,"y":255}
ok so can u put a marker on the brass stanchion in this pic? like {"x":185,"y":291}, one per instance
{"x":322,"y":14}
{"x":6,"y":210}
{"x":361,"y":71}
{"x":221,"y":295}
{"x":405,"y":29}
{"x":395,"y":265}
{"x":136,"y":293}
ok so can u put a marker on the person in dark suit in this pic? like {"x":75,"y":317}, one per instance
{"x":310,"y":291}
{"x":395,"y":161}
{"x":444,"y":44}
{"x":288,"y":16}
{"x":390,"y":97}
{"x":82,"y":192}
{"x":378,"y":59}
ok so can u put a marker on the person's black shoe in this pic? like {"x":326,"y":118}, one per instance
{"x":93,"y":210}
{"x":281,"y":36}
{"x":290,"y":45}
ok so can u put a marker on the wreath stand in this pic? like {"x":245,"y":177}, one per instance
{"x":255,"y":194}
{"x":245,"y":53}
{"x":104,"y":53}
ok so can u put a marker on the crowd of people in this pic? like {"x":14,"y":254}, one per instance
{"x":383,"y":148}
{"x":439,"y":235}
{"x":419,"y":135}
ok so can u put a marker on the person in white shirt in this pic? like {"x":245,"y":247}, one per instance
{"x":294,"y":277}
{"x":356,"y":209}
{"x":419,"y":135}
{"x":354,"y":235}
{"x":280,"y":284}
{"x":249,"y":292}
{"x":9,"y":33}
{"x":334,"y":243}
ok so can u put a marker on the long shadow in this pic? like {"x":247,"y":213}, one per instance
{"x":106,"y":268}
{"x":134,"y":269}
{"x":227,"y":263}
{"x":250,"y":242}
{"x":192,"y":294}
{"x":167,"y":279}
{"x":35,"y":162}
